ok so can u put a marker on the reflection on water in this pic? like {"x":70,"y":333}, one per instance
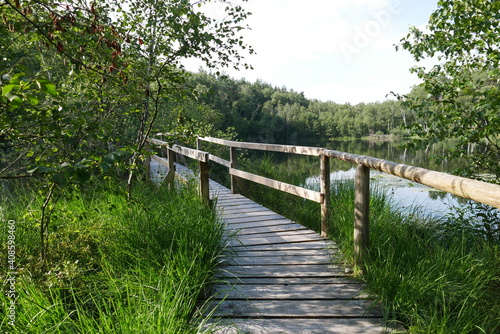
{"x":405,"y":192}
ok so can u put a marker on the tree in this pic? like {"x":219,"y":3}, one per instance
{"x":82,"y":87}
{"x":462,"y":97}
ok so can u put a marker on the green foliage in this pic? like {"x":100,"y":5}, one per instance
{"x":117,"y":266}
{"x":263,"y":113}
{"x":461,"y":97}
{"x":84,"y":84}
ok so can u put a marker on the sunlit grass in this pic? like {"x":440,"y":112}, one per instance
{"x":115,"y":266}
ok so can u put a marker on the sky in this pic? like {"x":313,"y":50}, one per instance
{"x":331,"y":50}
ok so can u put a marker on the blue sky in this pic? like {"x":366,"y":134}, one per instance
{"x":332,"y":50}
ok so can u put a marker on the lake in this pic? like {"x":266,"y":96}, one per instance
{"x":405,"y":193}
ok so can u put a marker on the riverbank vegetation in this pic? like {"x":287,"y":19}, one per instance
{"x":114,"y":265}
{"x":432,"y":275}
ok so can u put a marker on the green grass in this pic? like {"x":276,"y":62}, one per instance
{"x":432,"y":276}
{"x":428,"y":277}
{"x":115,"y":266}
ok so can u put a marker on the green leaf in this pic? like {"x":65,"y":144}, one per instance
{"x":46,"y":86}
{"x":59,"y":179}
{"x":6,"y":89}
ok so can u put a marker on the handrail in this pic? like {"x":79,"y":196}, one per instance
{"x":202,"y":157}
{"x":479,"y":191}
{"x":302,"y":150}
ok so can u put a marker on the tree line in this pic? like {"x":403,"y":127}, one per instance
{"x":261,"y":112}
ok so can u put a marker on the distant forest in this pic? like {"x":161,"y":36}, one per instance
{"x":264,"y":113}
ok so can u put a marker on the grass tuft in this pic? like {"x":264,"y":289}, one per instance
{"x":116,"y":266}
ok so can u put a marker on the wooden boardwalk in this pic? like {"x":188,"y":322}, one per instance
{"x":277,"y":276}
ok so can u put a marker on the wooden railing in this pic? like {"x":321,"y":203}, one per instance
{"x":478,"y":191}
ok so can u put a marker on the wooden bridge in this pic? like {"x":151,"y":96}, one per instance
{"x":277,"y":276}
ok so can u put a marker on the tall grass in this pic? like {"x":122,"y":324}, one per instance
{"x":429,"y":276}
{"x":431,"y":279}
{"x":116,"y":266}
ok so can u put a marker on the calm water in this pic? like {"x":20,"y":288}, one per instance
{"x":405,"y":193}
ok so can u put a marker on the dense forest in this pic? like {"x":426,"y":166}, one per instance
{"x":261,"y":112}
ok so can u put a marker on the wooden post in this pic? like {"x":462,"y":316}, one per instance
{"x":232,"y":161}
{"x":325,"y":192}
{"x":171,"y":168}
{"x":198,"y":143}
{"x":204,"y":181}
{"x":361,"y":215}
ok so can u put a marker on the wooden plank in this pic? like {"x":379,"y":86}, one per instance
{"x":238,"y":215}
{"x":157,"y":142}
{"x":276,"y":234}
{"x":271,"y":229}
{"x":302,"y":326}
{"x":220,"y":161}
{"x":311,"y":270}
{"x":290,"y":280}
{"x":282,"y":260}
{"x":285,"y":252}
{"x":355,"y":308}
{"x":315,"y":244}
{"x":282,"y":186}
{"x":297,"y":292}
{"x":191,"y":153}
{"x":243,"y":208}
{"x":235,"y":202}
{"x":273,"y":216}
{"x":247,"y":225}
{"x":253,"y":241}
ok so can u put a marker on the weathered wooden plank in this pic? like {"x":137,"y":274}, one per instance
{"x":236,"y":216}
{"x":290,"y":281}
{"x":316,"y":244}
{"x":270,"y":229}
{"x":302,"y":326}
{"x":332,"y":253}
{"x":253,"y":219}
{"x":282,"y":186}
{"x":221,"y":161}
{"x":239,"y":209}
{"x":311,"y":270}
{"x":354,"y":308}
{"x":254,"y":241}
{"x":276,"y":234}
{"x":261,"y":223}
{"x":285,"y":292}
{"x":279,"y":259}
{"x":191,"y":153}
{"x":234,"y":202}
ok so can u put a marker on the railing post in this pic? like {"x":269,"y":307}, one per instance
{"x":171,"y":168}
{"x":325,"y":192}
{"x":198,"y":143}
{"x":204,"y":181}
{"x":361,"y":216}
{"x":232,"y":161}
